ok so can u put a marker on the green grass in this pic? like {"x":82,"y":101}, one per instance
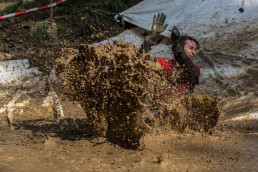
{"x":70,"y":15}
{"x":41,"y":32}
{"x":100,"y":8}
{"x":20,"y":6}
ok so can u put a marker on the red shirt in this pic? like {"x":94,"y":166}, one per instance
{"x":168,"y":69}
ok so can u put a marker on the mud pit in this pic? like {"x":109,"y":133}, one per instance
{"x":38,"y":143}
{"x":121,"y":89}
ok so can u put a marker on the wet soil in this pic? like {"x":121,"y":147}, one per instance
{"x":40,"y":144}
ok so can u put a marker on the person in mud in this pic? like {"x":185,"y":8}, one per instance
{"x":184,"y":48}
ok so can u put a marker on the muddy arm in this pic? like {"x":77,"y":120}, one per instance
{"x":156,"y":28}
{"x":189,"y":69}
{"x":148,"y":42}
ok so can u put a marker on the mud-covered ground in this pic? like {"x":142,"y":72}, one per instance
{"x":39,"y":144}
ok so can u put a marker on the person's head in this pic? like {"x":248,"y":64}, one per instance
{"x":190,"y":45}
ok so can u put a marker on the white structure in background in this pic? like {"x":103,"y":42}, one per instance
{"x":222,"y":27}
{"x":198,"y":18}
{"x":18,"y":79}
{"x":212,"y":22}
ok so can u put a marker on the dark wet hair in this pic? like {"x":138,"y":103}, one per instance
{"x":183,"y":39}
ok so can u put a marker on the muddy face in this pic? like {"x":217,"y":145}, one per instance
{"x":190,"y":48}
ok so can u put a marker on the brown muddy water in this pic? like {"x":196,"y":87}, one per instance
{"x":119,"y":89}
{"x":83,"y":142}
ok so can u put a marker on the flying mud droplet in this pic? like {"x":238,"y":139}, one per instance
{"x":241,"y":10}
{"x":118,"y":89}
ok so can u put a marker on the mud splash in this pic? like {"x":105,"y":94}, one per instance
{"x":118,"y":88}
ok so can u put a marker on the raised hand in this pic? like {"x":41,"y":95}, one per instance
{"x":158,"y":23}
{"x":175,"y":35}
